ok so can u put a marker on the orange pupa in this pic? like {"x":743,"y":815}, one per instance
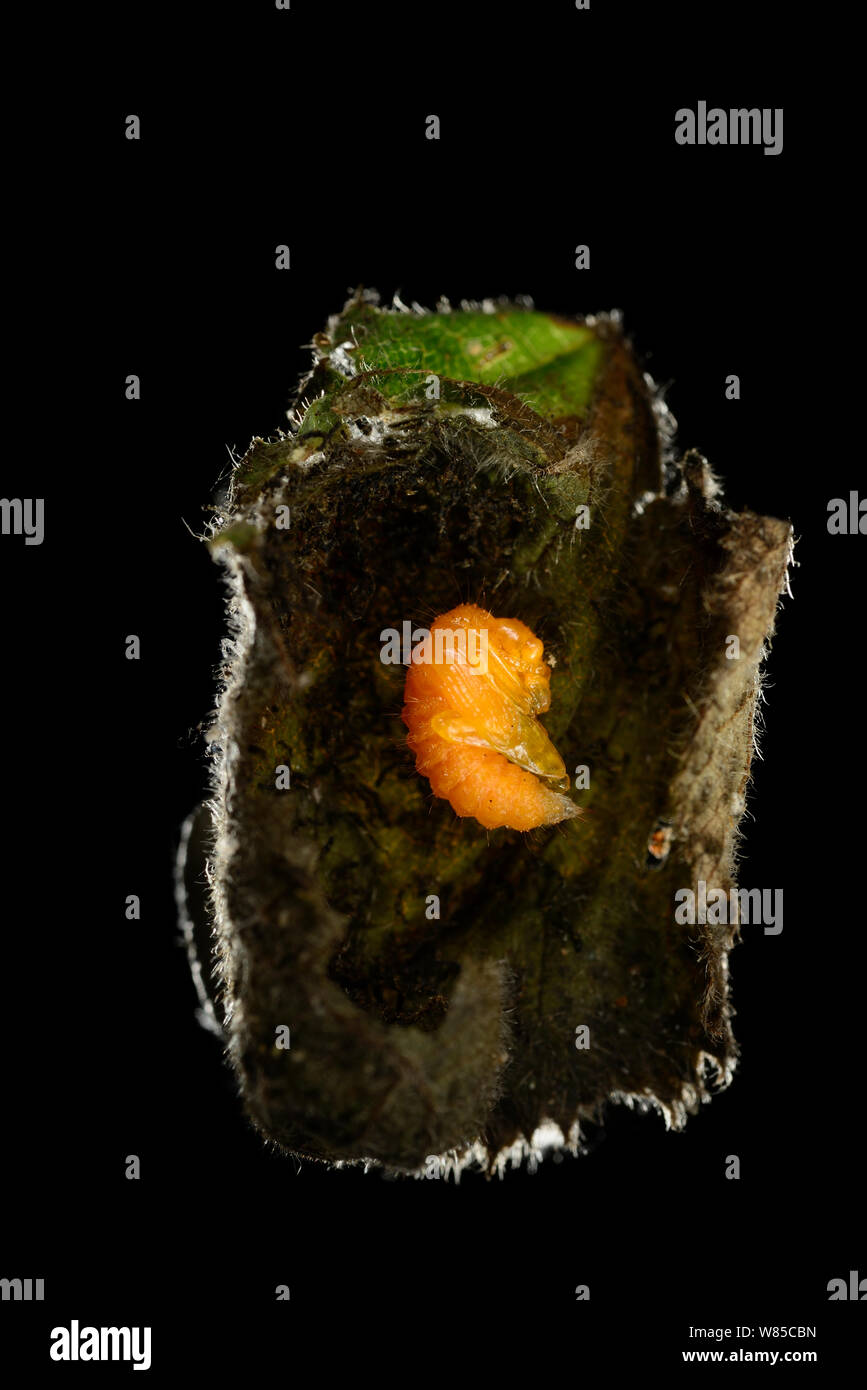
{"x":473,"y":693}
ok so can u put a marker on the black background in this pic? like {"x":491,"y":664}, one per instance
{"x":306,"y":127}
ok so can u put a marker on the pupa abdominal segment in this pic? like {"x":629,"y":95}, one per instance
{"x":471,"y":705}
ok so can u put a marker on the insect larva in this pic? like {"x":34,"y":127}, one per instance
{"x":471,"y":709}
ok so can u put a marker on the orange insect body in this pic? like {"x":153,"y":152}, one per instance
{"x":471,"y":709}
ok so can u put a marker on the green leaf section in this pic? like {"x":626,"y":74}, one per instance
{"x":551,"y":363}
{"x":562,"y":387}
